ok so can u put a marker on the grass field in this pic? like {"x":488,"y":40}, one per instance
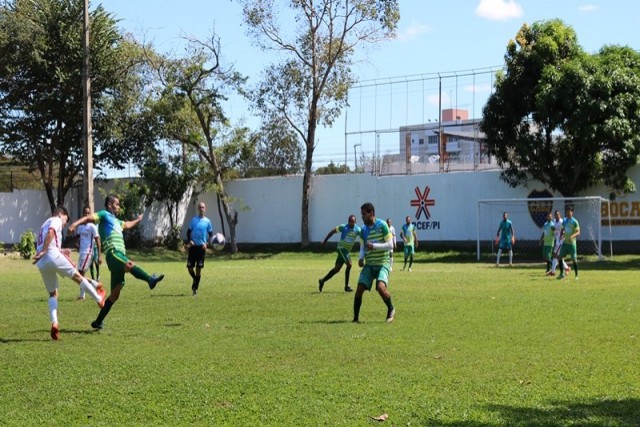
{"x":471,"y":345}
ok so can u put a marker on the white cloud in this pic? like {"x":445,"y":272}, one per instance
{"x":434,"y":99}
{"x":588,"y":8}
{"x":413,"y":31}
{"x":499,"y":10}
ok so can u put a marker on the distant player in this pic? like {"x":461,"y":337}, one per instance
{"x":199,"y":233}
{"x":547,"y":240}
{"x":570,"y":232}
{"x":374,"y":260}
{"x":507,"y":237}
{"x":349,"y":233}
{"x":52,"y":261}
{"x":558,"y":222}
{"x":111,"y":228}
{"x":89,"y":249}
{"x":392,"y":230}
{"x":410,"y":239}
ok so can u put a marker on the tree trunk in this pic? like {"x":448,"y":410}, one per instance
{"x":306,"y":185}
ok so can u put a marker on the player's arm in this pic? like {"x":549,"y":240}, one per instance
{"x":362,"y":253}
{"x":513,"y":235}
{"x":99,"y":246}
{"x":130,"y":224}
{"x":329,"y":234}
{"x":415,"y":239}
{"x":81,"y":221}
{"x":576,"y":234}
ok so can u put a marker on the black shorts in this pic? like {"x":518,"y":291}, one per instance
{"x":196,"y":257}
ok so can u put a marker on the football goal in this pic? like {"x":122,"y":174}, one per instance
{"x":528,"y":215}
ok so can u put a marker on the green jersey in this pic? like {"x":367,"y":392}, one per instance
{"x":548,"y":231}
{"x":110,"y":229}
{"x":376,"y":233}
{"x":348,"y":236}
{"x":570,"y":227}
{"x":407,"y":232}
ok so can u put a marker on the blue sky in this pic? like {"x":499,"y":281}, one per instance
{"x":446,"y":37}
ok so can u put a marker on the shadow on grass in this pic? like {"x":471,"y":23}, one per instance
{"x":597,"y":413}
{"x":325,"y":322}
{"x":21,"y":340}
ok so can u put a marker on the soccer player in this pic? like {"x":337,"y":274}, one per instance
{"x":392,"y":230}
{"x":199,"y":233}
{"x":374,"y":260}
{"x":110,"y":229}
{"x":570,"y":232}
{"x":507,"y":237}
{"x":52,"y":261}
{"x":547,"y":239}
{"x":410,"y":238}
{"x":348,"y":234}
{"x":89,"y":249}
{"x":558,"y":226}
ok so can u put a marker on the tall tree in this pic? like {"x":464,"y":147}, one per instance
{"x":41,"y":88}
{"x":309,"y":87}
{"x":564,"y":117}
{"x":197,"y":85}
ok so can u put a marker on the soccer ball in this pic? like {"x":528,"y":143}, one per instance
{"x":218,"y":241}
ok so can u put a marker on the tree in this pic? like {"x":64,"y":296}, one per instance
{"x":278,"y":150}
{"x":309,"y":87}
{"x":564,"y":117}
{"x":333,"y":169}
{"x":41,"y":90}
{"x":197,"y":85}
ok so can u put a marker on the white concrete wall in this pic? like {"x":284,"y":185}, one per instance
{"x":270,"y":208}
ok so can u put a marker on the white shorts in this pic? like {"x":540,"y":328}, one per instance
{"x":84,"y":261}
{"x":51,"y":266}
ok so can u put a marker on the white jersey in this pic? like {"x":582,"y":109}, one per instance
{"x":55,"y":223}
{"x":88,"y":233}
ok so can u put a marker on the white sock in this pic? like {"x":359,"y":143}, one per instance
{"x":94,"y":283}
{"x":88,"y":288}
{"x":498,"y":257}
{"x":564,"y":265}
{"x":510,"y":256}
{"x":53,"y":309}
{"x":554,"y":264}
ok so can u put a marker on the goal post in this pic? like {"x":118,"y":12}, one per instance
{"x":528,"y":215}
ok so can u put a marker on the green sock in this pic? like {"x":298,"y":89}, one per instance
{"x":139,"y":273}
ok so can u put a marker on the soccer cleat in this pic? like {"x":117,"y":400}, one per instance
{"x":195,"y":292}
{"x":348,"y":289}
{"x":103,"y":296}
{"x":355,"y":320}
{"x":410,"y":269}
{"x":576,"y":277}
{"x":154,"y":280}
{"x":55,"y":332}
{"x":390,"y":315}
{"x":551,"y":273}
{"x":96,"y":325}
{"x":320,"y":285}
{"x":560,"y":277}
{"x":79,"y":298}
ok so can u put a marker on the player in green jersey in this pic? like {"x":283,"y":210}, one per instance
{"x":410,"y":238}
{"x":374,"y":260}
{"x":547,"y":239}
{"x":570,"y":234}
{"x":349,"y":232}
{"x":110,"y":228}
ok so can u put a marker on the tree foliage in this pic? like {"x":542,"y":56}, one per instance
{"x":309,"y":86}
{"x":564,"y":117}
{"x":41,"y":89}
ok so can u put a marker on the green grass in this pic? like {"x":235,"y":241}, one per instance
{"x":472,"y":345}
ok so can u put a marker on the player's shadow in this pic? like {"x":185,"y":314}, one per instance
{"x":21,"y":340}
{"x":324,"y":322}
{"x":595,"y":413}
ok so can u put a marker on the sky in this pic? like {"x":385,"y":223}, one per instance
{"x":445,"y":54}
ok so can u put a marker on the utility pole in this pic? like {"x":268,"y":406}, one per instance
{"x":86,"y":115}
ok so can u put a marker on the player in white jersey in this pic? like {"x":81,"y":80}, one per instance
{"x":558,"y":224}
{"x":52,"y":261}
{"x":392,"y":230}
{"x":89,"y":249}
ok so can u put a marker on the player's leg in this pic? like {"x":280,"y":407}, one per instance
{"x":574,"y":257}
{"x":364,"y":283}
{"x":382,"y":288}
{"x":391,"y":260}
{"x":341,"y":258}
{"x":139,"y":273}
{"x":50,"y":278}
{"x":117,"y":267}
{"x":406,"y":256}
{"x":411,"y":252}
{"x":498,"y":257}
{"x":510,"y":256}
{"x":347,"y":273}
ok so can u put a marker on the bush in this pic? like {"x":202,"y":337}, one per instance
{"x":27,"y":245}
{"x":173,"y":240}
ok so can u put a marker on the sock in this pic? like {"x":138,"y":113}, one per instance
{"x":498,"y":257}
{"x":410,"y":261}
{"x":104,"y":311}
{"x":81,"y":295}
{"x":196,"y":282}
{"x":329,"y":275}
{"x":548,"y":265}
{"x":575,"y":267}
{"x":91,"y":271}
{"x":53,"y":309}
{"x":554,"y":264}
{"x":94,"y":283}
{"x":510,"y":256}
{"x":88,"y":288}
{"x":564,"y":265}
{"x":389,"y":304}
{"x":139,"y":273}
{"x":562,"y":269}
{"x":346,"y":276}
{"x":357,"y":302}
{"x":97,"y":271}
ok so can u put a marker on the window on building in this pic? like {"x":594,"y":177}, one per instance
{"x":421,"y":141}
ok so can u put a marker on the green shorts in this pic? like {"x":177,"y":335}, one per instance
{"x":344,"y":257}
{"x":374,"y":273}
{"x":116,"y":261}
{"x":568,"y":249}
{"x":408,"y":250}
{"x":547,"y":252}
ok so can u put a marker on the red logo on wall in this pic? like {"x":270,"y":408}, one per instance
{"x":423,"y":202}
